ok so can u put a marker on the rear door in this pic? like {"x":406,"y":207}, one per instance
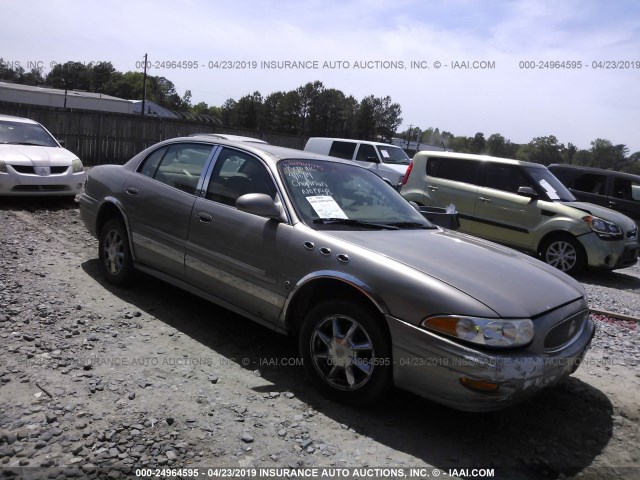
{"x":158,"y":199}
{"x":453,"y":181}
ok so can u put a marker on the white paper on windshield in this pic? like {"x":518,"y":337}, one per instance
{"x":553,"y":195}
{"x":384,"y":153}
{"x":326,"y":207}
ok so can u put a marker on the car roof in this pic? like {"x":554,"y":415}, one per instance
{"x":224,"y":136}
{"x":274,"y":152}
{"x":579,"y":168}
{"x":475,"y":157}
{"x":355,"y":140}
{"x":11,"y":118}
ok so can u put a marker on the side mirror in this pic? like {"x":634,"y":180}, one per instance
{"x":259,"y":204}
{"x":528,"y":192}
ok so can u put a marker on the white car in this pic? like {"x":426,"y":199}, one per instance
{"x":385,"y":160}
{"x":32,"y":162}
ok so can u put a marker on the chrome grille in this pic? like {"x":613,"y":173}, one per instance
{"x":566,"y":331}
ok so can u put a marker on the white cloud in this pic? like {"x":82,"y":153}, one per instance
{"x":576,"y":106}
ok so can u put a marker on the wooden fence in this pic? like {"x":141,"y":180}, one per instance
{"x":105,"y":137}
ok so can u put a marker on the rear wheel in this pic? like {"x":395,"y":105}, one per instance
{"x":564,"y":253}
{"x":346,"y":352}
{"x":114,"y":253}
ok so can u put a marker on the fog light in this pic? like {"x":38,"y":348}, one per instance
{"x":479,"y":385}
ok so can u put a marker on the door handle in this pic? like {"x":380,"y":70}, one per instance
{"x":131,"y":190}
{"x":484,"y":199}
{"x":204,"y":217}
{"x":612,"y":203}
{"x":433,"y":188}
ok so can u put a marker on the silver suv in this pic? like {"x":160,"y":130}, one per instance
{"x":522,"y":205}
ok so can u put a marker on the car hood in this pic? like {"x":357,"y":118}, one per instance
{"x":510,"y":283}
{"x":618,"y":218}
{"x":35,"y":155}
{"x":396,"y":167}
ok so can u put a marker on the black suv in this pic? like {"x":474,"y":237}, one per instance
{"x":615,"y":190}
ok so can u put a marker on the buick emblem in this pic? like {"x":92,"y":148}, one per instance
{"x":572,"y":328}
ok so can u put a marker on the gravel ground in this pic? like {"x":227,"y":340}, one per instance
{"x":97,"y":381}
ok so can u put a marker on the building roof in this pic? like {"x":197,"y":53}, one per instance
{"x":57,"y":91}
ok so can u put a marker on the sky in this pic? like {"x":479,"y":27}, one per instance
{"x":463,"y":66}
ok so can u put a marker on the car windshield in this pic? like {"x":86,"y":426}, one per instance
{"x":18,"y":133}
{"x":549,"y":185}
{"x":337,"y":196}
{"x":391,"y":154}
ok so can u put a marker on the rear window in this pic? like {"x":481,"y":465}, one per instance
{"x":455,"y":169}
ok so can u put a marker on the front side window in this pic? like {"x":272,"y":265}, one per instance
{"x":626,"y":189}
{"x":237,"y":173}
{"x":329,"y":195}
{"x":508,"y":178}
{"x":179,"y":166}
{"x":367,"y":153}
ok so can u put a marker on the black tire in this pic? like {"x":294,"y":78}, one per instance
{"x":114,"y":253}
{"x":353,"y":376}
{"x":564,"y":253}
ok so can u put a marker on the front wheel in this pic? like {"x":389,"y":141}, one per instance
{"x":346,"y":352}
{"x":564,"y":253}
{"x":114,"y":253}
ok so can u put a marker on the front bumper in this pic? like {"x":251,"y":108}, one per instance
{"x":24,"y":184}
{"x":610,"y":254}
{"x":432,"y":366}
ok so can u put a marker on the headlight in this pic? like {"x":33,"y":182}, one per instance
{"x":484,"y":331}
{"x":3,"y":167}
{"x":77,"y":165}
{"x":604,"y":229}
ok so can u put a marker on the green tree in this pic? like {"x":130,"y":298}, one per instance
{"x":478,"y":143}
{"x":543,"y":150}
{"x":606,"y":155}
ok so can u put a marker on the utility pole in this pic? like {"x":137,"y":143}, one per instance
{"x":144,"y":85}
{"x":409,"y":136}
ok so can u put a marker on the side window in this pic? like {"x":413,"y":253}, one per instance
{"x":366,"y":153}
{"x":235,"y":174}
{"x":179,"y":165}
{"x":626,"y":189}
{"x":591,"y":182}
{"x":454,"y":169}
{"x":150,"y":164}
{"x":508,"y":178}
{"x":342,"y":150}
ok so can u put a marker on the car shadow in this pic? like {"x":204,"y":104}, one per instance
{"x":610,"y":278}
{"x":34,"y":204}
{"x":558,"y":432}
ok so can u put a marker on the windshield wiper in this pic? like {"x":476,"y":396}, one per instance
{"x":357,"y":223}
{"x":412,"y":225}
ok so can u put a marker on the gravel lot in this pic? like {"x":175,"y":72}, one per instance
{"x":96,"y":381}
